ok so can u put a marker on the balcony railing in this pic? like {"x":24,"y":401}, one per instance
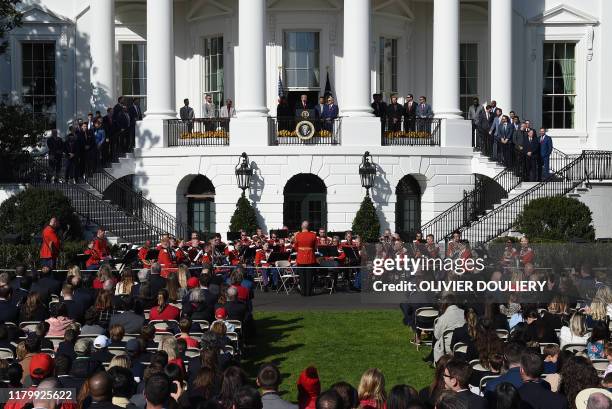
{"x":284,"y":131}
{"x":198,"y":132}
{"x":416,"y":132}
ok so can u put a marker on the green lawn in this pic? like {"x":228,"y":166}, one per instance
{"x":342,"y":345}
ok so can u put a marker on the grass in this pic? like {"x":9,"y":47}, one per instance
{"x":342,"y":345}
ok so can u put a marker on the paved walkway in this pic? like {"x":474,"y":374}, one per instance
{"x":340,"y":301}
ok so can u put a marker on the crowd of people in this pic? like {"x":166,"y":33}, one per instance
{"x":409,"y":117}
{"x":93,"y":142}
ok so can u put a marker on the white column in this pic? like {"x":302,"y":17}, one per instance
{"x":160,"y":60}
{"x":500,"y":15}
{"x":102,"y":50}
{"x":445,"y":98}
{"x":252,"y":59}
{"x":250,"y":128}
{"x":356,"y":59}
{"x":359,"y":126}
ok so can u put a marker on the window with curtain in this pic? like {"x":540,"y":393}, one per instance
{"x":38,"y":88}
{"x":559,"y":85}
{"x":468,"y":76}
{"x":301,"y":59}
{"x":134,"y":72}
{"x":213,"y":69}
{"x":387,"y":67}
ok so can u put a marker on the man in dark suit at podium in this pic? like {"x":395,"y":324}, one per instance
{"x":303,"y":103}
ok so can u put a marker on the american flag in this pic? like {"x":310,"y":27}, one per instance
{"x":281,"y":89}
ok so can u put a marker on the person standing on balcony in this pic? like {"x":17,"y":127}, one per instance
{"x":90,"y":157}
{"x":380,"y":110}
{"x":186,"y":113}
{"x":503,"y":136}
{"x":518,"y":137}
{"x":121,"y":123}
{"x":284,"y":115}
{"x":56,"y":151}
{"x":320,"y":107}
{"x":394,"y":115}
{"x":330,"y":113}
{"x":107,"y":123}
{"x":49,"y":250}
{"x":546,"y":148}
{"x":72,"y":151}
{"x":303,"y":103}
{"x":531,"y":148}
{"x":474,"y":113}
{"x":209,"y":112}
{"x":135,"y":115}
{"x":493,"y":131}
{"x":227,"y":111}
{"x":409,"y":113}
{"x":424,"y":114}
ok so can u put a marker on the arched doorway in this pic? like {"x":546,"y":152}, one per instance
{"x":201,"y":204}
{"x":408,"y":207}
{"x":305,"y":199}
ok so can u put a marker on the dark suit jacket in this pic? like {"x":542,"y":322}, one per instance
{"x":546,"y":146}
{"x":236,"y":310}
{"x":131,"y":322}
{"x":120,"y":120}
{"x":504,"y":133}
{"x":410,"y":111}
{"x":330,"y":111}
{"x":537,"y":395}
{"x":319,"y":110}
{"x":134,"y":114}
{"x":518,"y":138}
{"x":472,"y":400}
{"x":85,"y":297}
{"x":157,"y":282}
{"x":533,"y":147}
{"x":47,"y":284}
{"x":8,"y":312}
{"x":395,"y":111}
{"x":75,"y":310}
{"x":380,"y":109}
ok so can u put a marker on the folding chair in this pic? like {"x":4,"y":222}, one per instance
{"x":574,"y":348}
{"x":163,"y":325}
{"x":258,"y":279}
{"x":117,"y":351}
{"x":55,"y":340}
{"x":161,"y":335}
{"x":485,"y":379}
{"x":88,"y":336}
{"x":502,"y":334}
{"x":237,"y":325}
{"x":600,"y":366}
{"x":6,"y":353}
{"x":287,"y":275}
{"x":203,"y":324}
{"x":422,"y":316}
{"x":447,"y":337}
{"x":28,"y":326}
{"x":460,"y":347}
{"x":192,"y":352}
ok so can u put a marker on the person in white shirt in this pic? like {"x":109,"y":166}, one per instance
{"x":228,"y":110}
{"x":576,"y":332}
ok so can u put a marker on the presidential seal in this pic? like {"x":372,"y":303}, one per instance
{"x":305,"y":130}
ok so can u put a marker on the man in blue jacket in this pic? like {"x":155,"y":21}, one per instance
{"x":546,"y":147}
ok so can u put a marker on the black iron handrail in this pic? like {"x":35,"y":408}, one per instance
{"x":198,"y":132}
{"x":134,"y":203}
{"x":478,"y":200}
{"x":410,"y":132}
{"x":282,"y":131}
{"x":588,"y":166}
{"x":35,"y":172}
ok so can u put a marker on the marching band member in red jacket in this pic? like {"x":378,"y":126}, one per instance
{"x":526,"y":255}
{"x":142,"y":254}
{"x":305,"y":246}
{"x":98,"y":251}
{"x":49,"y":250}
{"x":323,"y":239}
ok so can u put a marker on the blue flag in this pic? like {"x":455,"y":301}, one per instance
{"x":281,"y":89}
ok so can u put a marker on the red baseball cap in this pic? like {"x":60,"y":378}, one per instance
{"x":193,"y":282}
{"x":41,"y":366}
{"x":220,"y":313}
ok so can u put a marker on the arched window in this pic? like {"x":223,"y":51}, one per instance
{"x":305,"y":199}
{"x":201,"y":204}
{"x":408,"y":206}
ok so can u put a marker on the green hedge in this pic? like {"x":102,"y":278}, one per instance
{"x":28,"y":254}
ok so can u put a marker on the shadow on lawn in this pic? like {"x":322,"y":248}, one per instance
{"x":271,"y":331}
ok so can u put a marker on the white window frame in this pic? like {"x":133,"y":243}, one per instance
{"x":223,"y":91}
{"x":478,"y":76}
{"x":388,"y":92}
{"x":119,"y":86}
{"x":322,"y":73}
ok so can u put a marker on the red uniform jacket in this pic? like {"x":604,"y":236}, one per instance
{"x":94,"y":257}
{"x":526,"y":255}
{"x":142,"y":256}
{"x":101,"y":246}
{"x":261,"y":258}
{"x":305,"y":245}
{"x":49,"y":237}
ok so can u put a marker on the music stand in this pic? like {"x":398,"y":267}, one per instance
{"x":152,"y":254}
{"x":80,"y":260}
{"x":129,"y":258}
{"x":274,"y":257}
{"x":233,"y":235}
{"x":351,"y":254}
{"x":328,"y":251}
{"x":280,"y":233}
{"x":247,"y":253}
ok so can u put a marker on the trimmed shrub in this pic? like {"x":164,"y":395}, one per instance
{"x":28,"y":254}
{"x":26,"y":213}
{"x":556,"y":218}
{"x":244,"y":217}
{"x":366,"y":223}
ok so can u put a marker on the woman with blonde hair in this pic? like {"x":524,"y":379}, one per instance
{"x":576,"y":332}
{"x":74,"y":271}
{"x":104,"y":274}
{"x":182,"y":273}
{"x":122,"y":361}
{"x":124,"y":287}
{"x":371,"y":390}
{"x":597,"y":312}
{"x":170,"y":346}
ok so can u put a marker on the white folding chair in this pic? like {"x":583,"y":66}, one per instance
{"x":460,"y":347}
{"x":161,"y":335}
{"x":55,"y":340}
{"x":574,"y":348}
{"x":192,"y":352}
{"x":545,"y":344}
{"x":485,"y":379}
{"x":258,"y":279}
{"x":447,"y":338}
{"x":600,"y":366}
{"x":117,"y":351}
{"x":237,"y":325}
{"x":163,"y":325}
{"x":502,"y":333}
{"x":28,"y":326}
{"x":203,"y":324}
{"x":6,"y":353}
{"x":287,"y":276}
